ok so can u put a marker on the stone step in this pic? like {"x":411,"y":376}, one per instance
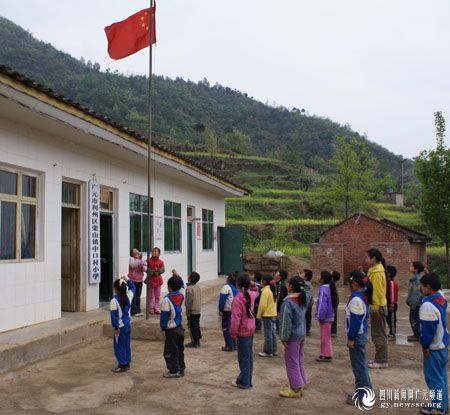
{"x":28,"y":344}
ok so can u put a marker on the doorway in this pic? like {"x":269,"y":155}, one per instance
{"x":106,"y":257}
{"x":190,"y":239}
{"x":70,"y":259}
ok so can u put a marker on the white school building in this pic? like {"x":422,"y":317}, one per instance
{"x":73,"y":203}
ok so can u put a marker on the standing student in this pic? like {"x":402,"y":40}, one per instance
{"x":193,"y":309}
{"x":257,"y":278}
{"x":336,"y":277}
{"x":308,"y":276}
{"x":268,"y":312}
{"x":136,"y":269}
{"x":414,"y":299}
{"x":155,"y":269}
{"x":326,"y":303}
{"x":378,"y":310}
{"x":120,"y":307}
{"x":434,"y":339}
{"x":293,"y":333}
{"x":243,"y":328}
{"x":282,"y":291}
{"x":171,"y":323}
{"x":392,"y":301}
{"x":357,"y":315}
{"x":227,"y":294}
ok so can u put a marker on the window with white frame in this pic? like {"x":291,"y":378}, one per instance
{"x":139,"y":222}
{"x":172,"y":226}
{"x":18,"y":215}
{"x":208,"y":229}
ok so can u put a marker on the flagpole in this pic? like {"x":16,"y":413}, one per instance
{"x":149,"y":185}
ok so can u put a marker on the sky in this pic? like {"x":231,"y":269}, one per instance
{"x":380,"y":66}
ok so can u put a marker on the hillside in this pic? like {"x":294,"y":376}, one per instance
{"x":180,"y":105}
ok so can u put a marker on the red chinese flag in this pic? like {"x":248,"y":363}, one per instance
{"x":130,"y":35}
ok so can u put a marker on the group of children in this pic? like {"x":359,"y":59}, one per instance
{"x":281,"y":306}
{"x":284,"y":305}
{"x":126,"y":303}
{"x":137,"y":270}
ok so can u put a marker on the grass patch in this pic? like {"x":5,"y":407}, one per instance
{"x":436,"y":250}
{"x":393,"y":208}
{"x":260,"y":200}
{"x":287,"y":194}
{"x":284,"y":222}
{"x":301,"y":251}
{"x":402,"y":218}
{"x":230,"y":156}
{"x":298,"y":250}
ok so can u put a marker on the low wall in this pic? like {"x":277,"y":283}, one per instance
{"x":328,"y":257}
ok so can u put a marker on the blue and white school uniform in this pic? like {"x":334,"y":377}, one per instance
{"x":434,"y":337}
{"x":227,"y":294}
{"x":121,"y":319}
{"x":357,"y":314}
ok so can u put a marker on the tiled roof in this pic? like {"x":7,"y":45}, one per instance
{"x":408,"y":232}
{"x":5,"y":70}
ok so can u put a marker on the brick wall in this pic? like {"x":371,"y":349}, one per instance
{"x":356,"y":236}
{"x":418,"y":252}
{"x":328,"y":257}
{"x":397,"y":254}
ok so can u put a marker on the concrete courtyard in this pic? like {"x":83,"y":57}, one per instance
{"x":80,"y":381}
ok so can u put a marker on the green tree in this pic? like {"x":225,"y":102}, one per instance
{"x":236,"y":141}
{"x":433,"y":171}
{"x":211,"y":142}
{"x":354,"y":182}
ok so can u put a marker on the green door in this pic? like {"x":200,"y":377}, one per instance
{"x":189,"y":247}
{"x":231,"y":248}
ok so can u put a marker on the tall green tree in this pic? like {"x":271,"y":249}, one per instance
{"x":433,"y":171}
{"x":235,"y":140}
{"x":354,"y":181}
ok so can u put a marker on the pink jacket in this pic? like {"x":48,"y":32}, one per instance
{"x":241,"y":324}
{"x":136,"y":269}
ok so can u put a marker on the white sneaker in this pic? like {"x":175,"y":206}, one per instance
{"x":234,"y":383}
{"x":376,"y":365}
{"x":263,"y":354}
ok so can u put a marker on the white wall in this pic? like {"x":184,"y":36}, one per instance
{"x":32,"y":290}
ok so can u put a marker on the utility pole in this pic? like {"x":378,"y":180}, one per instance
{"x":402,"y":176}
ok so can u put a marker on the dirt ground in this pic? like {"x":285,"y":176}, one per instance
{"x":80,"y":381}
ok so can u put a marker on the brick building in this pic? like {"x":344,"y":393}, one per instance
{"x":343,"y":247}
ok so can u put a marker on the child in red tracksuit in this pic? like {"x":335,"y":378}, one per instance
{"x":155,"y":269}
{"x":392,"y":301}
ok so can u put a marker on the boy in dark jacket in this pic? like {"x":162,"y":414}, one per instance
{"x":193,"y":309}
{"x":257,"y":278}
{"x":307,"y":277}
{"x":170,"y":322}
{"x":282,"y":291}
{"x":336,"y":277}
